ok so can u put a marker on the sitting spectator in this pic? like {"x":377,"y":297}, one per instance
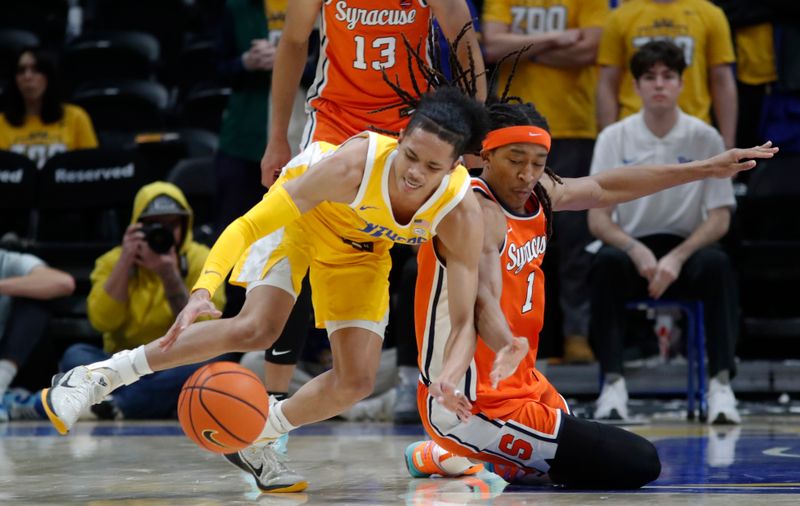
{"x":663,"y":244}
{"x":25,"y":281}
{"x":138,"y":289}
{"x":36,"y":123}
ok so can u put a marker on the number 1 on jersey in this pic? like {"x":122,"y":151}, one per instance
{"x":387,"y":45}
{"x":529,"y":296}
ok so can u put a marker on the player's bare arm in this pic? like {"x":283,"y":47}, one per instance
{"x":459,"y":238}
{"x":335,"y":178}
{"x":628,"y":183}
{"x":289,"y":63}
{"x":452,"y":16}
{"x":489,"y":318}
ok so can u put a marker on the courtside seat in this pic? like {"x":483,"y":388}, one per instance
{"x":110,"y":55}
{"x":768,"y":252}
{"x":17,"y":197}
{"x":124,"y":105}
{"x":47,"y":19}
{"x":12,"y":41}
{"x":203,"y":108}
{"x":84,"y":201}
{"x":195,"y":177}
{"x":164,"y":19}
{"x":196,"y":65}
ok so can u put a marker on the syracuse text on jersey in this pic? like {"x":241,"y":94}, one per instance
{"x":371,"y":17}
{"x":520,"y":256}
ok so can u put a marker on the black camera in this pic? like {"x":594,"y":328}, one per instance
{"x":158,"y":237}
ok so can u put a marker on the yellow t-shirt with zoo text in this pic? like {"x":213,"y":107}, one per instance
{"x":40,"y":141}
{"x":696,"y":26}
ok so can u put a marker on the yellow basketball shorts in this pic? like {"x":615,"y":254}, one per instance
{"x":348,"y":281}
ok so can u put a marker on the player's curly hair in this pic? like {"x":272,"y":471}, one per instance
{"x":443,"y":106}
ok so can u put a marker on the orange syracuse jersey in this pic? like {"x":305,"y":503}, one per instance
{"x":359,"y":40}
{"x":522,"y":303}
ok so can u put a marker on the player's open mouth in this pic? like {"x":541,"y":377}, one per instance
{"x":410,"y":185}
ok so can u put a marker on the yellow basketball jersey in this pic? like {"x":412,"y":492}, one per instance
{"x":369,"y":217}
{"x":333,"y":234}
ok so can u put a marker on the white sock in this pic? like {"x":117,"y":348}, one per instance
{"x":129,"y":366}
{"x":8,"y":370}
{"x":276,"y":426}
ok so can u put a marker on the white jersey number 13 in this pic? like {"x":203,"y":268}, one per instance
{"x":387,"y":46}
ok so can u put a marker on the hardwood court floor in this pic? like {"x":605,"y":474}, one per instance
{"x":148,"y":463}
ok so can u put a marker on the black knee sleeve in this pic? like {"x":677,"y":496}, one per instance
{"x":592,"y":455}
{"x":289,"y":346}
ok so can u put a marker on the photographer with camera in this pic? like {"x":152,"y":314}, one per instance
{"x":138,"y":288}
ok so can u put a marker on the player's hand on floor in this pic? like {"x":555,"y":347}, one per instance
{"x":452,"y":399}
{"x":507,"y":359}
{"x":199,"y":305}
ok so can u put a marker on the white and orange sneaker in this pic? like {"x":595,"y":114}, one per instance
{"x":426,"y":458}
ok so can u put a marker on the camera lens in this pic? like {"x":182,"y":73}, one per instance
{"x":158,"y":237}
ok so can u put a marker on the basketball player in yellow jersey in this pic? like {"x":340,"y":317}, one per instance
{"x":337,"y":210}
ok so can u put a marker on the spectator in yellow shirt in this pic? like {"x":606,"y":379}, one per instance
{"x":36,"y":123}
{"x":696,"y":26}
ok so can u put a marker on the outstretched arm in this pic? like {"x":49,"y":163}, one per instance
{"x":460,"y":238}
{"x":628,"y":183}
{"x":489,"y":318}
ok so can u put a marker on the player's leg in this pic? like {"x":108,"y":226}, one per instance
{"x":252,"y":329}
{"x":281,"y":359}
{"x":537,"y":439}
{"x":356,"y":356}
{"x":272,"y":271}
{"x":356,"y":352}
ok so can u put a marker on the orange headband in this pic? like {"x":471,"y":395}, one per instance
{"x":510,"y":135}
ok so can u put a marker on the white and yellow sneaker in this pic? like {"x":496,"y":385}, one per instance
{"x":71,"y":394}
{"x":268,"y":467}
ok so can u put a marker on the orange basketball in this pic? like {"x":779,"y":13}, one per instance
{"x":223,"y":407}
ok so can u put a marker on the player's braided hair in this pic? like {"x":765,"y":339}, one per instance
{"x":443,"y":106}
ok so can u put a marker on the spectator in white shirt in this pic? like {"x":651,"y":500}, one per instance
{"x":663,"y":245}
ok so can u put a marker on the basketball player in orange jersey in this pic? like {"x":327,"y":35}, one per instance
{"x":336,"y":210}
{"x":522,"y":426}
{"x":358,"y":40}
